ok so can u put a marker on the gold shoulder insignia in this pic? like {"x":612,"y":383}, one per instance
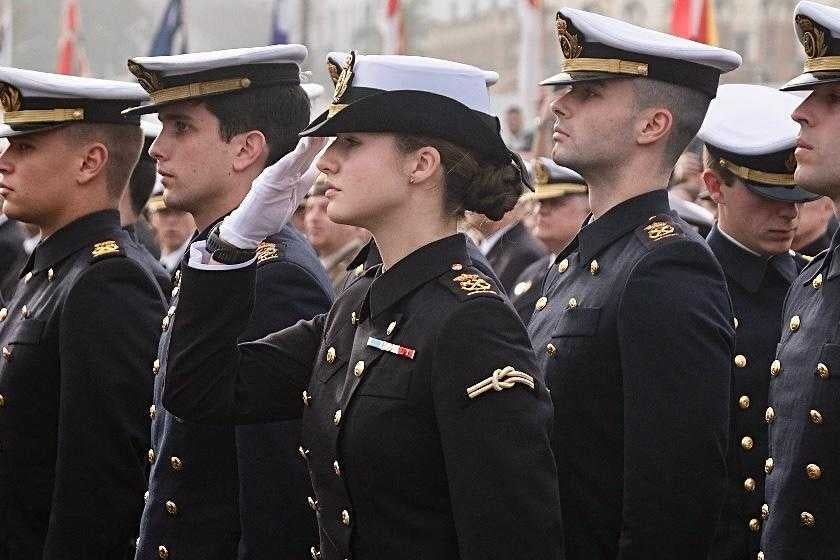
{"x":267,"y":251}
{"x":505,"y":378}
{"x":474,"y":284}
{"x":659,"y":228}
{"x":105,"y":248}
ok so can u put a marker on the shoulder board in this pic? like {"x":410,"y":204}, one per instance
{"x":468,"y":283}
{"x":659,"y":229}
{"x":105,"y":250}
{"x":269,"y":251}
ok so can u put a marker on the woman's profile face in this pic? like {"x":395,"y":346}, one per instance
{"x":365,"y":182}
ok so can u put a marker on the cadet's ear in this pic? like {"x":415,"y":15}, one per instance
{"x":249,"y":148}
{"x":422,"y":164}
{"x":654,"y":125}
{"x":715,"y":186}
{"x":92,"y":162}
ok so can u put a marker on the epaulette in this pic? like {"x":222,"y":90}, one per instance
{"x":659,"y":229}
{"x":468,"y":283}
{"x":106,"y":250}
{"x":268,"y":251}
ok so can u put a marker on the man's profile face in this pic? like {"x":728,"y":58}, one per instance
{"x":513,"y":120}
{"x":818,"y":150}
{"x":192,"y":158}
{"x":37,"y":172}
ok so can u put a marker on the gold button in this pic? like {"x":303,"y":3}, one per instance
{"x":152,"y":411}
{"x":817,"y":282}
{"x":807,"y":519}
{"x":572,"y":303}
{"x":735,"y":320}
{"x":354,"y":319}
{"x":769,"y":415}
{"x":747,"y":442}
{"x":815,"y":416}
{"x":391,"y":328}
{"x":303,"y":452}
{"x":337,"y":417}
{"x":563,"y":266}
{"x":330,"y":355}
{"x":550,"y":349}
{"x":151,"y":455}
{"x":2,"y":401}
{"x":50,"y":275}
{"x":28,"y":277}
{"x":740,"y":361}
{"x":795,"y":323}
{"x":175,"y":291}
{"x":7,"y":353}
{"x":337,"y":468}
{"x":822,"y":371}
{"x":768,"y":465}
{"x":165,"y":324}
{"x":3,"y":314}
{"x":594,"y":267}
{"x":24,"y":312}
{"x":156,"y":366}
{"x":312,"y":503}
{"x":175,"y":463}
{"x":359,"y":369}
{"x":163,"y":553}
{"x":345,"y":517}
{"x":457,"y":266}
{"x":755,"y":525}
{"x":171,"y":508}
{"x":765,"y":511}
{"x":744,"y":402}
{"x":749,"y":484}
{"x":775,"y":368}
{"x":541,"y":303}
{"x":813,"y":471}
{"x":306,"y":398}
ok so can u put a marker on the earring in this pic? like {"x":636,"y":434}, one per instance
{"x":411,"y":180}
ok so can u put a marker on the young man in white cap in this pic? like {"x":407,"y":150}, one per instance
{"x":802,"y":503}
{"x":81,"y":327}
{"x":634,"y":328}
{"x":749,"y":139}
{"x":562,"y":206}
{"x":222,"y":492}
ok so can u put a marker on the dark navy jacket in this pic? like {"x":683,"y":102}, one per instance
{"x":223,"y":491}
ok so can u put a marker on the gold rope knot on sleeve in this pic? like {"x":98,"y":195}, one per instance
{"x":501,"y":379}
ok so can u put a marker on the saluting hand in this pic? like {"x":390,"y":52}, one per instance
{"x":274,"y":196}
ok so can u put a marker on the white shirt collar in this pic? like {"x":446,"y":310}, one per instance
{"x":171,"y":260}
{"x":489,"y":242}
{"x":738,"y":243}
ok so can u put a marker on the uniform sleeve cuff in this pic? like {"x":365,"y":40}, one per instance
{"x":201,"y":259}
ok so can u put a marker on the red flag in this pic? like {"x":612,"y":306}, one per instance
{"x":695,"y":20}
{"x":71,"y":57}
{"x":393,"y":28}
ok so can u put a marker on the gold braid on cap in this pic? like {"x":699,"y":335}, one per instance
{"x":756,"y":176}
{"x":571,"y":45}
{"x":10,"y":98}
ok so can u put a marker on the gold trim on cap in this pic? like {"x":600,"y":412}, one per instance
{"x":43,"y":115}
{"x":198,"y":89}
{"x":781,"y":179}
{"x":822,"y":64}
{"x":554,"y":190}
{"x":156,"y":203}
{"x":608,"y":65}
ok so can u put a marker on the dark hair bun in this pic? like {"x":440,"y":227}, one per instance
{"x":493,"y":190}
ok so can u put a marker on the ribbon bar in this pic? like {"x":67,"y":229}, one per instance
{"x":391,"y":347}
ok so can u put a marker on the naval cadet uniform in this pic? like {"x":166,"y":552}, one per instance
{"x":801,"y":513}
{"x":75,"y":337}
{"x":550,"y":181}
{"x":512,"y":253}
{"x":749,"y":131}
{"x":224,"y":492}
{"x":634,"y":331}
{"x":425,"y":424}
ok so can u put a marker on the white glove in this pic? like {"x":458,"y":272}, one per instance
{"x":274,"y":196}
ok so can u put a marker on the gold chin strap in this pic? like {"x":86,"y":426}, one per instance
{"x":822,"y":64}
{"x":608,"y":65}
{"x":780,"y":179}
{"x":199,"y":89}
{"x":35,"y":116}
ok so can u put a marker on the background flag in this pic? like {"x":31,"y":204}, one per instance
{"x":530,"y":54}
{"x":392,"y":27}
{"x":279,"y":35}
{"x":5,"y":32}
{"x":71,"y":55}
{"x":695,"y":20}
{"x":171,"y":31}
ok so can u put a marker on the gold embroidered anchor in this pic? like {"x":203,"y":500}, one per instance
{"x":266,"y":251}
{"x":658,"y":230}
{"x":474,"y":284}
{"x":105,"y":248}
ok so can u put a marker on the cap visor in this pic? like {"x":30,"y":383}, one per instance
{"x":782,"y":194}
{"x":810,"y":80}
{"x":568,"y":78}
{"x":8,"y":132}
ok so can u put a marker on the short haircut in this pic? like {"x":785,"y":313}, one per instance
{"x":141,"y":184}
{"x":279,"y":112}
{"x":712,"y":163}
{"x":687,"y":106}
{"x":123,"y":141}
